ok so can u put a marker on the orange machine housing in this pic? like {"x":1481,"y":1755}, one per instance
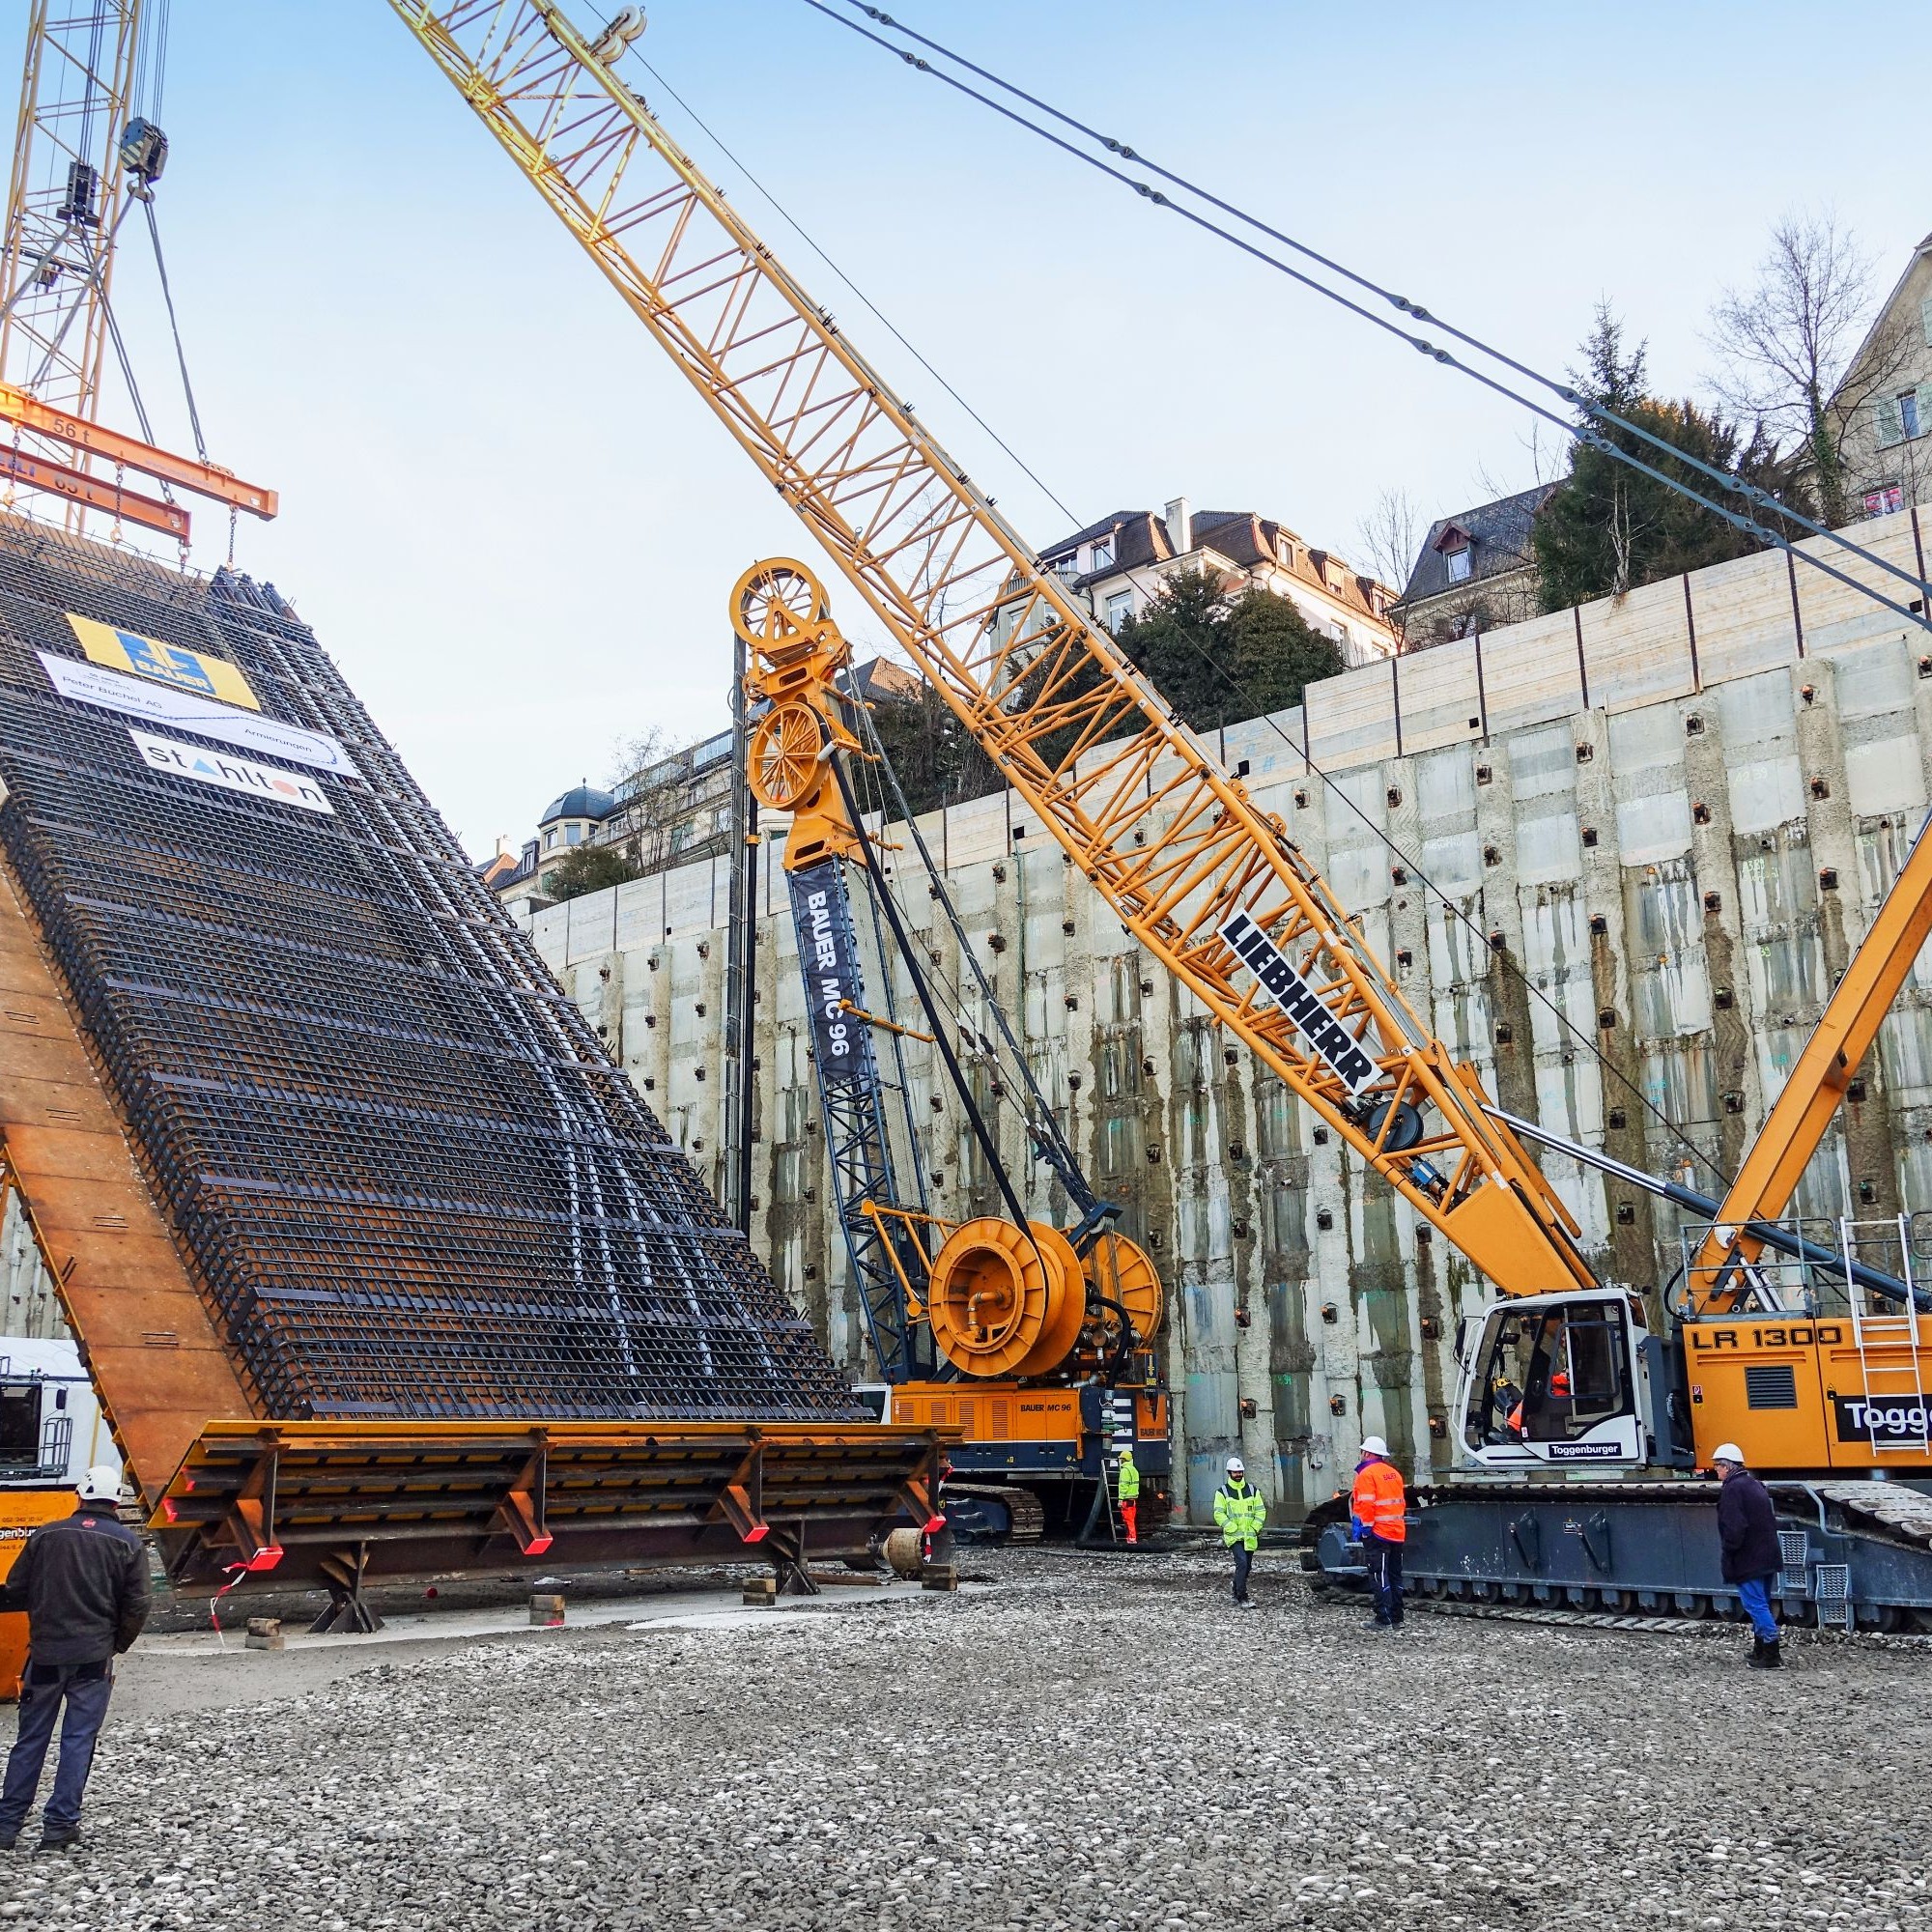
{"x":22,"y":1513}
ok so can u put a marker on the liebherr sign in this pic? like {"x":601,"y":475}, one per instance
{"x":1292,"y":993}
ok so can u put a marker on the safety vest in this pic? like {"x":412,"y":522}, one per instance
{"x":1240,"y":1513}
{"x":1378,"y":1501}
{"x":1128,"y":1488}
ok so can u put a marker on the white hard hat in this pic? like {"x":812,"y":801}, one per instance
{"x":1729,"y":1452}
{"x":100,"y":1485}
{"x":1236,"y":1466}
{"x":1374,"y":1445}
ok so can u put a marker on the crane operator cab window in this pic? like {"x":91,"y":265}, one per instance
{"x":1551,"y":1380}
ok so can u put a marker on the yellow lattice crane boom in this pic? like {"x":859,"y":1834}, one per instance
{"x":1194,"y":868}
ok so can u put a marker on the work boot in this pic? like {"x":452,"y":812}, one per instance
{"x":59,"y":1839}
{"x":1771,"y":1659}
{"x":10,"y":1836}
{"x":1756,"y":1662}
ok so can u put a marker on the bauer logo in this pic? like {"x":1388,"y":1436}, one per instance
{"x":230,"y":773}
{"x":1292,"y":993}
{"x":1892,"y":1420}
{"x":166,"y":664}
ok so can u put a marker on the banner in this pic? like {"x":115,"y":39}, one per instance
{"x":166,"y":664}
{"x":827,"y":954}
{"x":1292,"y":993}
{"x":136,"y":697}
{"x":1886,"y":1421}
{"x":231,"y":773}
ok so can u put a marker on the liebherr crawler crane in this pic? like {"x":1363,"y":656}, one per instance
{"x":1217,"y":892}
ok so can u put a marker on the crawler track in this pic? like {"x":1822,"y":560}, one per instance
{"x":1643,"y":1555}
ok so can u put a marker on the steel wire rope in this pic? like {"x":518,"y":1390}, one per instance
{"x":1591,"y":437}
{"x":1040,"y":1122}
{"x":147,"y":202}
{"x":1327,"y":778}
{"x":1728,"y":480}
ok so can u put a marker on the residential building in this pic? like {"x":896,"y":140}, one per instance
{"x":1120,"y":563}
{"x":1888,"y":389}
{"x":1476,"y":571}
{"x":671,"y":813}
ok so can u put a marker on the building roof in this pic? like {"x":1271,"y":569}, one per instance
{"x":1881,"y":314}
{"x":583,"y":800}
{"x":1497,"y":535}
{"x":1245,"y":538}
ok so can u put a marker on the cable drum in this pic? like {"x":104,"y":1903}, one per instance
{"x":1006,"y":1300}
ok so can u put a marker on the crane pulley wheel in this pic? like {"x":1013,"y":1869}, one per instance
{"x":1006,"y":1300}
{"x":784,"y":761}
{"x":777,"y":601}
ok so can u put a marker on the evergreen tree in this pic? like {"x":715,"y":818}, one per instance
{"x":1218,"y":660}
{"x":1610,"y":529}
{"x":590,"y":868}
{"x":934,"y":759}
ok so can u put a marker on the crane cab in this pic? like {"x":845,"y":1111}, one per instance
{"x":1561,"y":1380}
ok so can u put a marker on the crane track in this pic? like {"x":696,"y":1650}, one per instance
{"x":1023,"y":1507}
{"x":1869,"y":1512}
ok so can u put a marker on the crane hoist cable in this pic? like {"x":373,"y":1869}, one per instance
{"x":1518,"y":974}
{"x":1584,"y":433}
{"x":1041,"y":1124}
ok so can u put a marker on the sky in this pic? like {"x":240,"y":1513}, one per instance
{"x":516,"y":528}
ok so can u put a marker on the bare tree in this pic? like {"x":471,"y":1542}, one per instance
{"x":1788,"y":344}
{"x":1388,"y":538}
{"x":652,"y":784}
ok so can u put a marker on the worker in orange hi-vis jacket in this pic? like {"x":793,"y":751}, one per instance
{"x":1379,"y":1505}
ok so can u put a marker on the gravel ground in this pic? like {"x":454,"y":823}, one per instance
{"x":1091,"y":1742}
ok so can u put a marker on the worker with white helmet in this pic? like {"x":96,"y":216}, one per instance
{"x":1747,"y":1536}
{"x":82,"y":1581}
{"x":1379,"y":1505}
{"x":1241,"y":1511}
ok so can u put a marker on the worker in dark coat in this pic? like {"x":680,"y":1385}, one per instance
{"x":82,"y":1581}
{"x":1748,"y":1531}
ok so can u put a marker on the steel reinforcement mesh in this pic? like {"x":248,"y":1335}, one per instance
{"x":403,"y":1166}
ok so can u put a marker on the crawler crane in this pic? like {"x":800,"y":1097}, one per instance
{"x":1806,"y":1356}
{"x":1036,"y":1341}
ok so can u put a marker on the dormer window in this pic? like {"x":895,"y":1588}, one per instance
{"x":1102,"y":557}
{"x":1067,"y":566}
{"x":1458,"y":563}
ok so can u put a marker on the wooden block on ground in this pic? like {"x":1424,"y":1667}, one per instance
{"x":939,"y":1577}
{"x":265,"y":1634}
{"x":546,"y":1609}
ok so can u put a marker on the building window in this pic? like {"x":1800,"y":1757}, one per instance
{"x":1103,"y":555}
{"x":550,"y":839}
{"x":1457,"y":561}
{"x":1886,"y":501}
{"x":1120,"y":608}
{"x":1903,"y":416}
{"x":571,"y":834}
{"x":1068,"y":566}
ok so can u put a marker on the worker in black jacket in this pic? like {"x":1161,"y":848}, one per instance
{"x":82,"y":1581}
{"x":1748,"y":1531}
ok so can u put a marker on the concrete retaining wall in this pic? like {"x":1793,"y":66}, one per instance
{"x":1666,"y":818}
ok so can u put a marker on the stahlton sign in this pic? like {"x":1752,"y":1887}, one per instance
{"x":1292,"y":993}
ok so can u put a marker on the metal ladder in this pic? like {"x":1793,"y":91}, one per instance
{"x":1892,"y":1357}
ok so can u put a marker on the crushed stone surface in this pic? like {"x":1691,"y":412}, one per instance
{"x":1093,"y":1742}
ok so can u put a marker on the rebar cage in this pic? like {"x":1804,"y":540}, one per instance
{"x":405,"y":1175}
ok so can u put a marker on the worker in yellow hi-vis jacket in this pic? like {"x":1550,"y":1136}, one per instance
{"x":1241,"y":1510}
{"x":1127,"y":1493}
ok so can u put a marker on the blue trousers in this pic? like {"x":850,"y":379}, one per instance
{"x":1243,"y":1557}
{"x":1384,"y":1562}
{"x":84,"y":1689}
{"x":1755,"y":1594}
